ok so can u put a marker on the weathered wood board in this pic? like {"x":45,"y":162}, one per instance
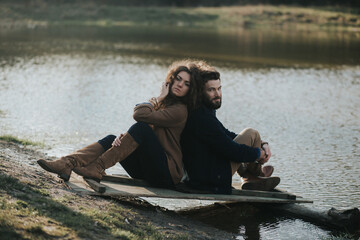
{"x":124,"y":186}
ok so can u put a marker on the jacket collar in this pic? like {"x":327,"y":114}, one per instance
{"x":209,"y":110}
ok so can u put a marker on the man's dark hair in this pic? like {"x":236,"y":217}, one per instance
{"x":204,"y":73}
{"x":209,"y":75}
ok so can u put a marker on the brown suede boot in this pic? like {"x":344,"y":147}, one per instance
{"x":252,"y":182}
{"x":96,"y":169}
{"x":65,"y":165}
{"x":257,"y":169}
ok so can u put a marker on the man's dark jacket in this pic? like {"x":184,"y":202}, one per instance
{"x":208,"y":148}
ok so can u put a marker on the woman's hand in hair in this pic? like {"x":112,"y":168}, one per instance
{"x":164,"y":91}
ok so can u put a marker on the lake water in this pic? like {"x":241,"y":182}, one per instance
{"x":68,"y":87}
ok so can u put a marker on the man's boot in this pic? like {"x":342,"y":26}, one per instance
{"x":266,"y":171}
{"x":252,"y":182}
{"x":65,"y":165}
{"x":257,"y":169}
{"x":96,"y":169}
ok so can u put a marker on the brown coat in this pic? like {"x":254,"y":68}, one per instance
{"x":168,"y":123}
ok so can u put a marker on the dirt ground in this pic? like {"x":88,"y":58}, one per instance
{"x":19,"y":162}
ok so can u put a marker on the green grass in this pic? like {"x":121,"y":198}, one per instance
{"x":26,"y":212}
{"x":259,"y":16}
{"x":10,"y":138}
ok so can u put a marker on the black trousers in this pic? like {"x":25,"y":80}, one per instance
{"x":148,"y":161}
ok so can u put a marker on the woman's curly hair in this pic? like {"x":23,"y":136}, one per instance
{"x":190,"y":99}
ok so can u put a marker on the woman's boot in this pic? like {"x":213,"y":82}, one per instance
{"x":65,"y":165}
{"x":96,"y":169}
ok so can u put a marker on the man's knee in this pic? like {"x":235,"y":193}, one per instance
{"x":250,"y":137}
{"x":251,"y":132}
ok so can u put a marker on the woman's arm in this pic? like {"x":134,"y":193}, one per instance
{"x":170,"y":116}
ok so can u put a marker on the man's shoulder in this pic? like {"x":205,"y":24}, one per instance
{"x":203,"y":118}
{"x":201,"y":112}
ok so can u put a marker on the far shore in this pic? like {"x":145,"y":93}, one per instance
{"x":41,"y":14}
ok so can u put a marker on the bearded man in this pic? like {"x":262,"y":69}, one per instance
{"x":212,"y":154}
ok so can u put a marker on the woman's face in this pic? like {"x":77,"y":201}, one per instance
{"x":181,"y":84}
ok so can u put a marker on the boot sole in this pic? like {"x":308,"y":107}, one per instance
{"x":265,"y":184}
{"x":63,"y":176}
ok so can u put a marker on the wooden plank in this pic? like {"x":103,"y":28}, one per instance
{"x":138,"y":182}
{"x":286,"y":192}
{"x":98,"y":187}
{"x":115,"y":189}
{"x":125,"y":179}
{"x":109,"y":188}
{"x":271,"y":194}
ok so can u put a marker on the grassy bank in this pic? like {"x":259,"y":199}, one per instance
{"x":28,"y":211}
{"x":10,"y":138}
{"x":40,"y":14}
{"x":35,"y":204}
{"x":31,"y":209}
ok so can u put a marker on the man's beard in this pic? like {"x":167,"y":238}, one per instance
{"x":210,"y":104}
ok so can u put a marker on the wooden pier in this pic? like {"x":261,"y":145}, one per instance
{"x":116,"y":185}
{"x":123,"y":186}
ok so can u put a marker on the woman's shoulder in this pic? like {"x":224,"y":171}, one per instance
{"x":178,"y":110}
{"x":177,"y":106}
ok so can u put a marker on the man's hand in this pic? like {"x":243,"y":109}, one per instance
{"x":262,"y":158}
{"x":117,"y":141}
{"x":266,"y":148}
{"x":265,"y":153}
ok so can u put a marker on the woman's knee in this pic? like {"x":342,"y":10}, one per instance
{"x":141,"y":131}
{"x":107,"y":141}
{"x":139,"y":127}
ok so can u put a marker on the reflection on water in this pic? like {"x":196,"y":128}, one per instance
{"x":239,"y":48}
{"x":69,"y":88}
{"x":249,"y":222}
{"x":290,"y":229}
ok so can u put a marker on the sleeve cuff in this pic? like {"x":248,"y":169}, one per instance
{"x":258,"y":153}
{"x":144,"y":103}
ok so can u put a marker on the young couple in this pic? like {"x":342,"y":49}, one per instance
{"x":151,"y":149}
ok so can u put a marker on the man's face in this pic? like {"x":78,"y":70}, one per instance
{"x":212,"y":94}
